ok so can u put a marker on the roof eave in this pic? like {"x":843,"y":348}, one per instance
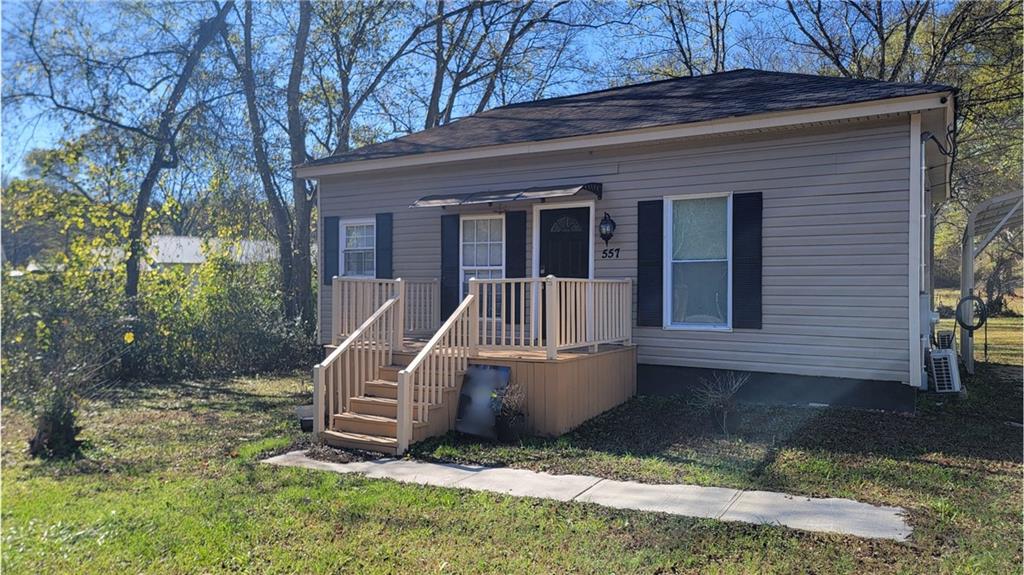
{"x":644,"y":135}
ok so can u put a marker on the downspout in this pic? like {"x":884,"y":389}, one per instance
{"x":925,"y":211}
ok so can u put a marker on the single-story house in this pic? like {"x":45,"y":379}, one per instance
{"x":169,"y":251}
{"x":772,"y":223}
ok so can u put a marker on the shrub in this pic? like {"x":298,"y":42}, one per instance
{"x":218,"y":319}
{"x":66,"y":336}
{"x":62,"y":343}
{"x":509,"y":415}
{"x":716,"y":395}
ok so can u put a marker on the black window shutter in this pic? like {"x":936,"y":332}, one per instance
{"x":330,"y":250}
{"x":384,"y":247}
{"x":746,"y":260}
{"x":515,"y":258}
{"x":650,"y":242}
{"x":449,"y":264}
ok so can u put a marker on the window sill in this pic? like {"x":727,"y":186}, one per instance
{"x":696,"y":327}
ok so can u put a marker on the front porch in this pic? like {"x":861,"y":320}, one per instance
{"x":393,"y":372}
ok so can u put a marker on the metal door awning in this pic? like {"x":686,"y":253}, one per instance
{"x":502,"y":196}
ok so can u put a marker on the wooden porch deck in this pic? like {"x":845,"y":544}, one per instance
{"x":385,"y":384}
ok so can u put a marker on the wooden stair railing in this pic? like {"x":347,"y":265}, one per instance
{"x":358,"y":359}
{"x":435,"y":369}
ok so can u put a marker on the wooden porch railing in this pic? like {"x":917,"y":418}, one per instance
{"x":592,"y":312}
{"x":435,"y":369}
{"x":344,"y":373}
{"x":354,"y":299}
{"x":422,"y":306}
{"x":520,"y":313}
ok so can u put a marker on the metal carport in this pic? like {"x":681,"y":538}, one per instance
{"x":985,"y":222}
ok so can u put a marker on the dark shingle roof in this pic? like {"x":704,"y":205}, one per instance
{"x":662,"y":103}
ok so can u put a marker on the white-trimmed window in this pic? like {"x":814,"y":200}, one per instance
{"x":358,"y":248}
{"x":698,"y":262}
{"x":481,"y":248}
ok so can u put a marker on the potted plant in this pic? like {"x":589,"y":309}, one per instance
{"x":509,"y":417}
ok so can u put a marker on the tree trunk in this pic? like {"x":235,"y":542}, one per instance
{"x":278,"y":209}
{"x":166,"y":137}
{"x":301,"y":264}
{"x":433,"y":116}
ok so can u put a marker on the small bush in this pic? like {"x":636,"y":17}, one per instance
{"x":509,"y":414}
{"x":62,"y":343}
{"x":716,"y":395}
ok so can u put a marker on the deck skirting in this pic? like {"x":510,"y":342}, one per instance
{"x":563,"y":393}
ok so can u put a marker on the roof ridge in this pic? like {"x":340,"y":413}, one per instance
{"x":620,"y":87}
{"x":848,"y":78}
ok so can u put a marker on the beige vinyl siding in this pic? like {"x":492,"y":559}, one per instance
{"x":835,"y":241}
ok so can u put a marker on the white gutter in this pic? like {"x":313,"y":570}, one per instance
{"x":643,"y":135}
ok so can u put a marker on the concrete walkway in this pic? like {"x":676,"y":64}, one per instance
{"x":827,"y":515}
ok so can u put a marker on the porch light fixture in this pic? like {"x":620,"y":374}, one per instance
{"x":607,"y":228}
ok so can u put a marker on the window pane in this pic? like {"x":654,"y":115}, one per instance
{"x":358,"y":263}
{"x":468,"y":230}
{"x":699,"y":229}
{"x":359,"y":236}
{"x":700,"y":292}
{"x":495,"y":257}
{"x":481,"y":254}
{"x":468,"y":255}
{"x":495,"y":234}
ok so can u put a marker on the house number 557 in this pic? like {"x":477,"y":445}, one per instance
{"x":610,"y":253}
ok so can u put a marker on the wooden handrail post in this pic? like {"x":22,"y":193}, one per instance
{"x":398,"y":336}
{"x":591,"y":310}
{"x":628,"y":311}
{"x":319,"y":394}
{"x":403,"y":431}
{"x":335,"y":310}
{"x":435,"y":304}
{"x":551,"y":316}
{"x":474,"y":317}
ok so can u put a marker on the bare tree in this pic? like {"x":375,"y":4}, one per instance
{"x":683,"y":37}
{"x":879,"y":39}
{"x":474,"y":53}
{"x":280,"y":216}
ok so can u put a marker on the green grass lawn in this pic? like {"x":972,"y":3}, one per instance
{"x":171,"y":484}
{"x":1004,"y":334}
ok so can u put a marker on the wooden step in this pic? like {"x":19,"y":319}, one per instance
{"x":403,"y":358}
{"x":389,"y":372}
{"x":348,"y":440}
{"x":383,"y":406}
{"x":381,"y":388}
{"x":366,"y":424}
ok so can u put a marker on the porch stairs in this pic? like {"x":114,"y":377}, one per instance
{"x":371,"y":421}
{"x":378,"y":390}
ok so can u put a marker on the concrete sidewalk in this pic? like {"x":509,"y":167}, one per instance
{"x":827,"y":515}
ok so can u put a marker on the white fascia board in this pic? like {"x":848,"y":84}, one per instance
{"x":643,"y":135}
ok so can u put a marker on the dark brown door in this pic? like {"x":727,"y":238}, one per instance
{"x":565,"y":242}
